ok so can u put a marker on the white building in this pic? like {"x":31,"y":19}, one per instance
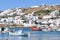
{"x":4,"y":20}
{"x":47,"y":17}
{"x":34,"y":6}
{"x":18,"y":21}
{"x":1,"y":14}
{"x":54,"y":13}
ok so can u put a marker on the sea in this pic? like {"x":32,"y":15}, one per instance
{"x":34,"y":35}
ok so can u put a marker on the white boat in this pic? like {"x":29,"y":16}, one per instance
{"x":19,"y":33}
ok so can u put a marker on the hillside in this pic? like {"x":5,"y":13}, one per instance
{"x":30,"y":10}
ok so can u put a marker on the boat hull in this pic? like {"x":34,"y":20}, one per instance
{"x":36,"y":29}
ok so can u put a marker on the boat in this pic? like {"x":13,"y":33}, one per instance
{"x":19,"y":33}
{"x":36,"y":29}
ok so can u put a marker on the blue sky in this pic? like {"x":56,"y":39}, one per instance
{"x":8,"y":4}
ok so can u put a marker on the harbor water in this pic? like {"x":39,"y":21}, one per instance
{"x":34,"y":35}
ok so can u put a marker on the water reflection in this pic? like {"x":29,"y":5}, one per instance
{"x":32,"y":37}
{"x":35,"y":35}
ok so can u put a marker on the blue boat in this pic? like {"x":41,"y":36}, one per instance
{"x":19,"y":33}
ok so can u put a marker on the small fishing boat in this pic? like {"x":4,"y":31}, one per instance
{"x":36,"y":29}
{"x":19,"y":33}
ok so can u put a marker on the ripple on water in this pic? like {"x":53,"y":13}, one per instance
{"x":35,"y":35}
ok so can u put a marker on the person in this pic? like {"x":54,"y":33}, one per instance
{"x":2,"y":29}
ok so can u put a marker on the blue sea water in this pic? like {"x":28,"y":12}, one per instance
{"x":35,"y":35}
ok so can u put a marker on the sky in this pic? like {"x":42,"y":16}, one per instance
{"x":8,"y":4}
